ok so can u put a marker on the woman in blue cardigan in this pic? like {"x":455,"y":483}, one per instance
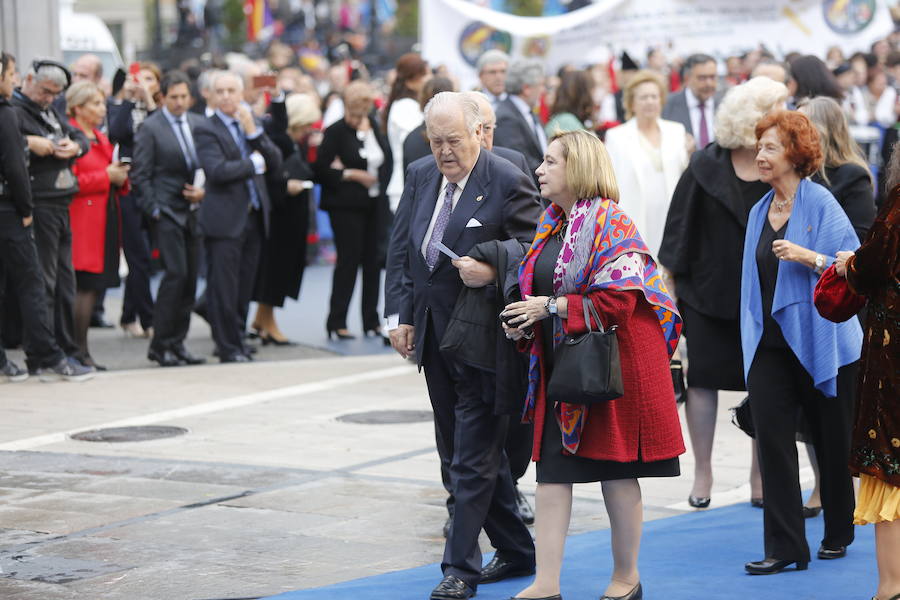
{"x":792,"y":356}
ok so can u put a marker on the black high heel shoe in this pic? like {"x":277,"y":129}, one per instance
{"x":267,"y":338}
{"x":698,"y":502}
{"x":341,"y":334}
{"x":811,"y":512}
{"x":770,"y":566}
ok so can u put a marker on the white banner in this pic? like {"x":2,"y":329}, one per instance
{"x":456,"y":32}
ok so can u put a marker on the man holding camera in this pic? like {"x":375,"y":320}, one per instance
{"x":18,"y":255}
{"x":53,"y":146}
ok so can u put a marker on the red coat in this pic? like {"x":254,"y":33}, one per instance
{"x":88,"y":210}
{"x":646,"y":415}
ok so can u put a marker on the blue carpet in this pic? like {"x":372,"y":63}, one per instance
{"x":697,"y":555}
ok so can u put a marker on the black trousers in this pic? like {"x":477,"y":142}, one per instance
{"x":137,"y":304}
{"x":179,"y":248}
{"x":53,"y":238}
{"x":463,"y":402}
{"x":21,"y":272}
{"x":777,"y":384}
{"x":356,"y":243}
{"x":233,"y":264}
{"x":519,"y":438}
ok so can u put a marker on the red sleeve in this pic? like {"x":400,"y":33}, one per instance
{"x":614,"y":308}
{"x":91,"y":180}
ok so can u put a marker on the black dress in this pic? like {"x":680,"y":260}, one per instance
{"x":555,"y":466}
{"x":284,"y":252}
{"x":703,"y":247}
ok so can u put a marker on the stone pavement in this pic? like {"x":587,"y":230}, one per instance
{"x":269,"y":490}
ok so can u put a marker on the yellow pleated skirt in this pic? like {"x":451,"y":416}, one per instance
{"x":877,"y":501}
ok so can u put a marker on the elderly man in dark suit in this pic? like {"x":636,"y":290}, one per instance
{"x":517,"y":124}
{"x":234,"y":215}
{"x":165,"y":171}
{"x":462,"y":198}
{"x":695,"y":105}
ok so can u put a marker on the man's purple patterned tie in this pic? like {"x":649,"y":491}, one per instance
{"x":437,"y":234}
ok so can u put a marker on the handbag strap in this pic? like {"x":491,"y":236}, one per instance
{"x":591,"y":311}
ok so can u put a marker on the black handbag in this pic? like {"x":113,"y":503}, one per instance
{"x":742,"y":418}
{"x":586,"y":367}
{"x":677,"y":370}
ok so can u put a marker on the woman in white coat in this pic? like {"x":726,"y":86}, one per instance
{"x":648,"y":155}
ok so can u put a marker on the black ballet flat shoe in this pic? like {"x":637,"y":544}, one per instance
{"x":770,"y":566}
{"x":556,"y":597}
{"x":810,"y":512}
{"x":756,"y":503}
{"x":698,"y":502}
{"x":340,"y":334}
{"x":636,"y":593}
{"x":826,"y":553}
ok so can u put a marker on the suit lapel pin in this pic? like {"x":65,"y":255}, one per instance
{"x":479,"y":198}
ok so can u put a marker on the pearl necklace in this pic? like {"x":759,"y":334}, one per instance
{"x":780,"y":205}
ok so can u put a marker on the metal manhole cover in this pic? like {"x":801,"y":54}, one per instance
{"x":142,"y":433}
{"x":387,"y":417}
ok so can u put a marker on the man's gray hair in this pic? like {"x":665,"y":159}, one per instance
{"x":49,"y":72}
{"x":446,"y":101}
{"x":491,"y":57}
{"x":483,"y":104}
{"x":214,"y":79}
{"x":522,"y":73}
{"x":204,"y":82}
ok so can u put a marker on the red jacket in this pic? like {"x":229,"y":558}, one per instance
{"x":88,"y":210}
{"x":646,"y":415}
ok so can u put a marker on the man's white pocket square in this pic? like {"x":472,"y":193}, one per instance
{"x":473,"y":223}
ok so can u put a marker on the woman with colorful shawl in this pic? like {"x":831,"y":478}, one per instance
{"x":586,"y":247}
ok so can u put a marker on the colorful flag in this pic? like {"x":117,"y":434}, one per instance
{"x":259,"y":20}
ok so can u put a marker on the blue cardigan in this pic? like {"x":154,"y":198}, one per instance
{"x":818,"y":223}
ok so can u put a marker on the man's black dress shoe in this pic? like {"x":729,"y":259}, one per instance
{"x":236,"y":358}
{"x":191,"y":359}
{"x":499,"y":569}
{"x":524,"y":508}
{"x":698,"y":502}
{"x":829,"y":553}
{"x":99,"y":322}
{"x":165,"y":358}
{"x":636,"y":593}
{"x":452,"y":587}
{"x":770,"y":566}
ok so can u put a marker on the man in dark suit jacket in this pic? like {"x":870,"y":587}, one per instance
{"x":165,"y":167}
{"x":695,"y":105}
{"x":234,"y":215}
{"x":517,"y":126}
{"x":462,"y":198}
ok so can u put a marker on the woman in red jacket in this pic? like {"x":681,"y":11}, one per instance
{"x":587,"y":248}
{"x":94,"y":212}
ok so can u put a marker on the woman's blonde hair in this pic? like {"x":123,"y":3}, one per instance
{"x":589,"y":170}
{"x":639,"y":78}
{"x":743,"y":107}
{"x":79,"y":94}
{"x":834,"y":135}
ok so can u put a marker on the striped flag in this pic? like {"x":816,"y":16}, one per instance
{"x":259,"y":20}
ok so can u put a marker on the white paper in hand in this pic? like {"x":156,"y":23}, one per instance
{"x":445,"y":250}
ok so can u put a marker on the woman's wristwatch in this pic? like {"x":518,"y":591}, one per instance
{"x":550,"y":305}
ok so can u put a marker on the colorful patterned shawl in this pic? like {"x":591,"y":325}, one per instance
{"x":602,"y":249}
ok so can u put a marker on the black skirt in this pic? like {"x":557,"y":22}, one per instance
{"x":555,"y":465}
{"x":715,"y":358}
